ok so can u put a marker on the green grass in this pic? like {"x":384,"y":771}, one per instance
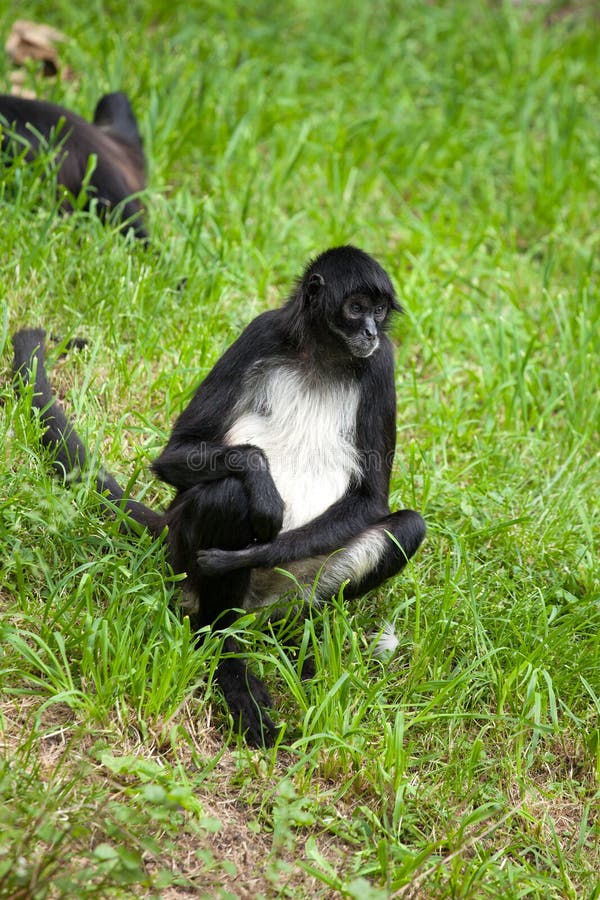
{"x":459,"y":144}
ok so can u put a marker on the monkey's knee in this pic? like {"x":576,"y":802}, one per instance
{"x":380,"y":552}
{"x":408,"y":530}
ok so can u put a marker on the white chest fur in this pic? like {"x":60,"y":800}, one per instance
{"x":307,"y":428}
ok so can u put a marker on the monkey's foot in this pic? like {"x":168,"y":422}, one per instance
{"x":247,"y":699}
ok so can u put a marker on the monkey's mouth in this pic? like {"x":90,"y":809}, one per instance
{"x":363,"y":348}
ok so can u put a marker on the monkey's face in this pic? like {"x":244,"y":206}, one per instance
{"x":359,"y":322}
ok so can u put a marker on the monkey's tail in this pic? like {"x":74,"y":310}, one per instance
{"x":70,"y":455}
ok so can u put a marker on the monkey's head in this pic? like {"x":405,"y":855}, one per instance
{"x":347,"y":292}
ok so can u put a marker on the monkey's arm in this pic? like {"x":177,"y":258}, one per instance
{"x":187,"y":465}
{"x":196,"y":451}
{"x":324,"y":535}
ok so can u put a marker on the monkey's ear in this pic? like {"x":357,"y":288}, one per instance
{"x":315,"y":285}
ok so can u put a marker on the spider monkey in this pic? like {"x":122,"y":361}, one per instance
{"x":113,"y":137}
{"x":281,"y":459}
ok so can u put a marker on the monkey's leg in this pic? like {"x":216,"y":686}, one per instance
{"x":376,"y":554}
{"x":217,"y":514}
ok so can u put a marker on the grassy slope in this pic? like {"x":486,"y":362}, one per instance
{"x":460,"y":144}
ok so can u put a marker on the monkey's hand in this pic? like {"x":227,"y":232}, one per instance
{"x":266,"y":505}
{"x":215,"y":561}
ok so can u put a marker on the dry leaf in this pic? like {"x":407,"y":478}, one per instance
{"x":30,"y":40}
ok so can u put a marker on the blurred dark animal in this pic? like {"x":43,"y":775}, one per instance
{"x":112,"y":138}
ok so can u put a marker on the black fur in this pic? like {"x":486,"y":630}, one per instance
{"x":113,"y":138}
{"x":226,"y":518}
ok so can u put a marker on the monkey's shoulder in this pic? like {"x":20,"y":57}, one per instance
{"x":263,"y":338}
{"x":210,"y":409}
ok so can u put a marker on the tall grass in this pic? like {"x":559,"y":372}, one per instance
{"x":459,"y":144}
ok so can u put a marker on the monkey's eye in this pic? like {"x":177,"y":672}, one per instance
{"x":380,"y":311}
{"x":355,"y":309}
